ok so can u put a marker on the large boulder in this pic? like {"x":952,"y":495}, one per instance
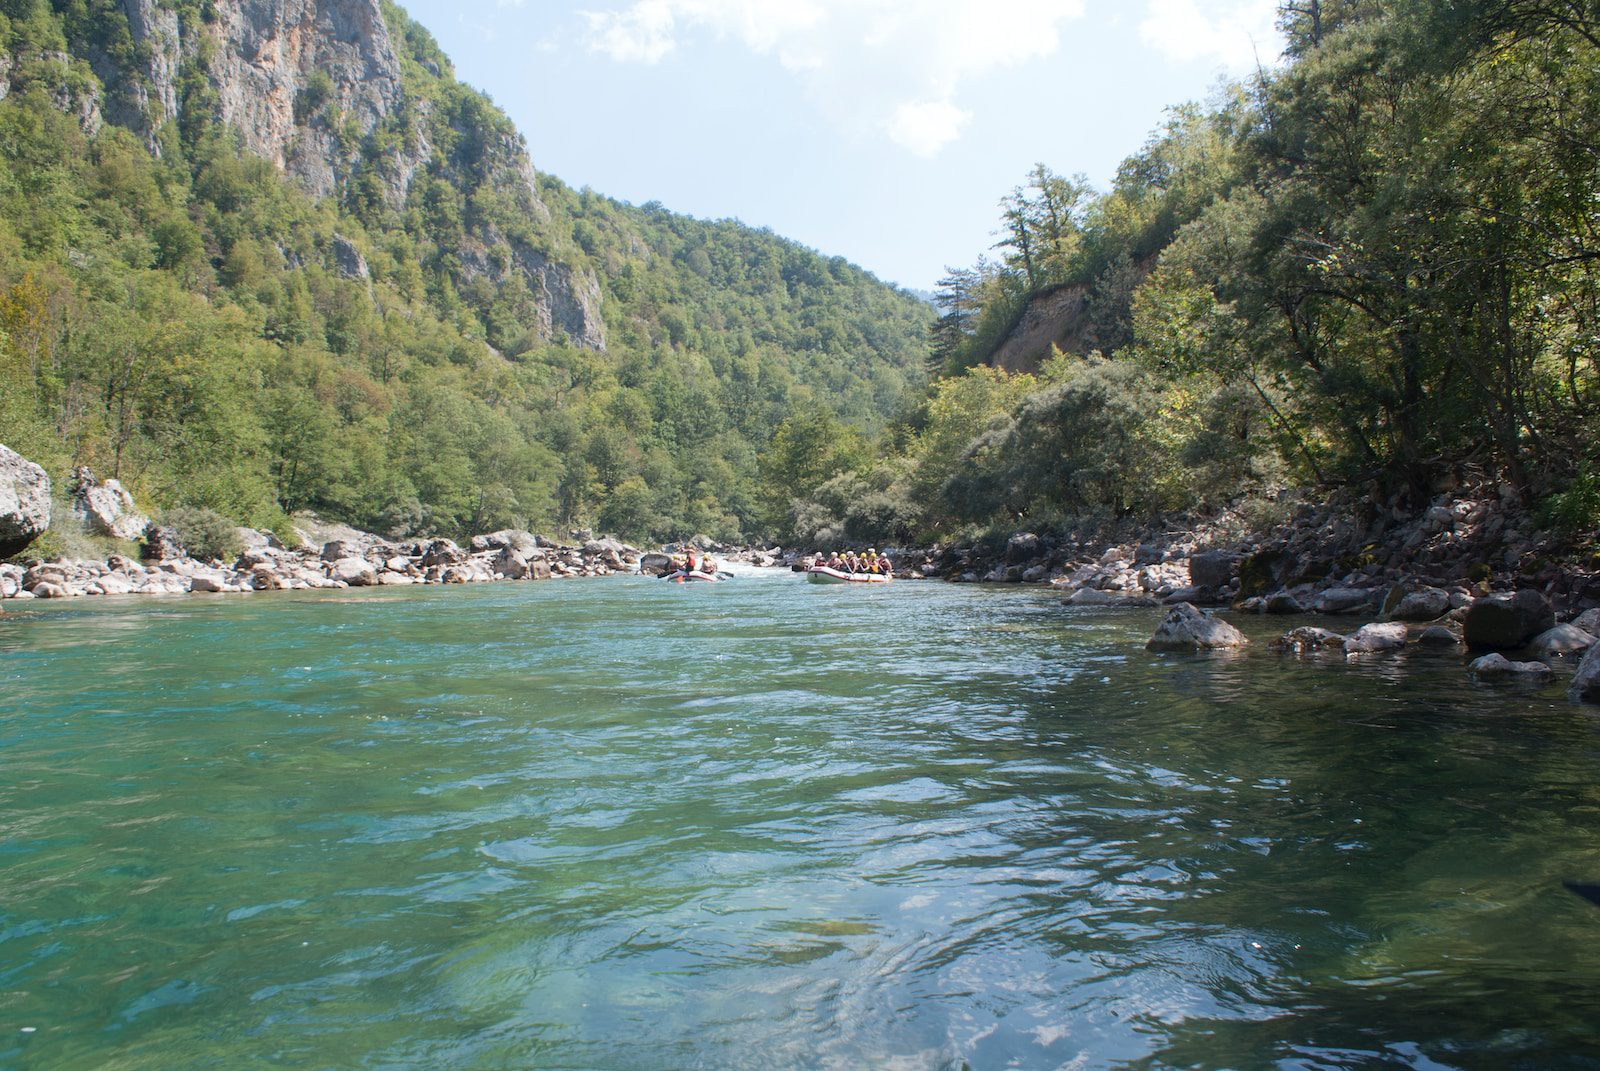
{"x":1281,"y":602}
{"x":511,"y":564}
{"x":1186,"y":628}
{"x":655,"y":563}
{"x":357,"y":572}
{"x":1387,"y":636}
{"x":106,"y":507}
{"x":1559,"y":641}
{"x":1408,"y":603}
{"x":1506,"y":621}
{"x":24,"y":502}
{"x":1497,"y":666}
{"x":1438,"y":636}
{"x":1213,"y":569}
{"x":516,"y":539}
{"x":1589,"y":621}
{"x":1022,"y":547}
{"x":1345,"y":601}
{"x":442,"y":552}
{"x":337,"y":549}
{"x":1586,"y":682}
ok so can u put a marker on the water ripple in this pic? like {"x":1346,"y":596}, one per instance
{"x":633,"y":825}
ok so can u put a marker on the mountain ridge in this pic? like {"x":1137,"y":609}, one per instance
{"x":316,"y":167}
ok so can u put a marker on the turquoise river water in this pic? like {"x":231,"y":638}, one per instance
{"x":624,"y":824}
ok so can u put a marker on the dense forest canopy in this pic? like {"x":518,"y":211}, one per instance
{"x":193,"y":323}
{"x":1375,"y":264}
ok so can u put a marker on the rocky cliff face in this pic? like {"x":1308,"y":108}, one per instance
{"x":305,"y":82}
{"x":262,"y":69}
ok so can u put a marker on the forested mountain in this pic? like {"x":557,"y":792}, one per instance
{"x":1377,"y":264}
{"x":269,"y":256}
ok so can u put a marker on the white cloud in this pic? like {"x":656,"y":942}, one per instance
{"x":1233,"y":33}
{"x":925,"y":127}
{"x":892,"y":67}
{"x":641,"y":34}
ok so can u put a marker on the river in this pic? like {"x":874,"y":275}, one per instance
{"x":624,"y":824}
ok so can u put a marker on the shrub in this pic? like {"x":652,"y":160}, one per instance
{"x":1576,"y":509}
{"x":204,"y":533}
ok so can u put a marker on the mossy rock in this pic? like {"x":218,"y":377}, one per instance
{"x":1261,"y":572}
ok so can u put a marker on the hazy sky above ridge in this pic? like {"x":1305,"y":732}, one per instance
{"x":885,"y":131}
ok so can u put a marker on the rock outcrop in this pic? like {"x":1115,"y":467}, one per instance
{"x":24,"y":502}
{"x":306,"y":83}
{"x":105,"y":507}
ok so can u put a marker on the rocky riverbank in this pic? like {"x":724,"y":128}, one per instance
{"x":356,"y":559}
{"x":1470,"y":570}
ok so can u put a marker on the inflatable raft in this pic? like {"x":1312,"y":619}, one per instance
{"x":821,"y":574}
{"x":681,"y":577}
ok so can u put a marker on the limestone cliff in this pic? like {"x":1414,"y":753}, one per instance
{"x":321,"y":89}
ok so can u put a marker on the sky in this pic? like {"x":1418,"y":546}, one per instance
{"x":884,"y":131}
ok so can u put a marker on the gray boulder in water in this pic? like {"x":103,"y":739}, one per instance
{"x":1438,"y":636}
{"x":24,"y":502}
{"x":1309,"y":638}
{"x":1186,"y":628}
{"x":1507,"y":620}
{"x":1498,"y":667}
{"x":1586,"y":683}
{"x":1559,"y":641}
{"x":1387,"y":636}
